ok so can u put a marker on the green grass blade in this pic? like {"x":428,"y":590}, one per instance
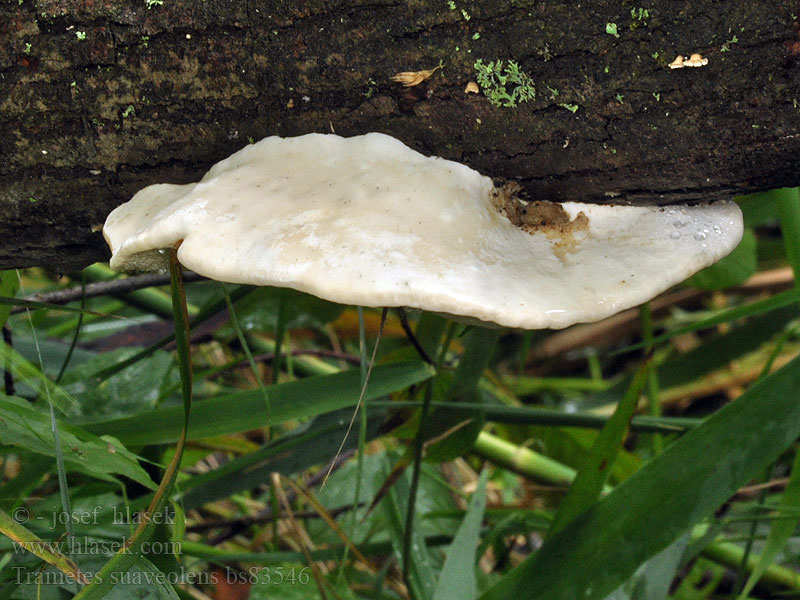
{"x":180,"y":315}
{"x":39,"y":547}
{"x":459,"y":428}
{"x":654,"y":403}
{"x":457,"y":580}
{"x":788,"y":204}
{"x":536,"y":415}
{"x":780,"y":531}
{"x":129,"y":553}
{"x":725,"y":316}
{"x":24,"y":427}
{"x":7,"y":302}
{"x":9,"y":284}
{"x":245,"y":346}
{"x":280,"y":334}
{"x":418,"y":570}
{"x":481,"y":344}
{"x":592,"y":476}
{"x":158,"y":580}
{"x":676,"y":490}
{"x":239,"y":411}
{"x":26,"y":371}
{"x":364,"y":364}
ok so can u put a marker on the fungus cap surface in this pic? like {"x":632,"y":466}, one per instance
{"x":368,"y":221}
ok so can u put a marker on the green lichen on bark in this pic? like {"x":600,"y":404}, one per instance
{"x":504,"y":84}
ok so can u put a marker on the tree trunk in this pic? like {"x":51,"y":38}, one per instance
{"x":99,"y":98}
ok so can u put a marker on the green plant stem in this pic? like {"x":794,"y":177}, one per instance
{"x":408,"y":533}
{"x":536,"y":415}
{"x":646,"y":317}
{"x":74,"y":342}
{"x":335,"y":552}
{"x":246,"y":348}
{"x":362,"y":430}
{"x":742,"y":568}
{"x":731,"y":555}
{"x":527,"y":386}
{"x":63,"y":489}
{"x":523,"y":461}
{"x":308,"y":365}
{"x":280,"y":331}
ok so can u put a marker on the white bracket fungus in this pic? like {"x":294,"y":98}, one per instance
{"x":695,"y":60}
{"x":368,"y":221}
{"x":677,"y":63}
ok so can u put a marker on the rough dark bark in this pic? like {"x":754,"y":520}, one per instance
{"x":99,"y":98}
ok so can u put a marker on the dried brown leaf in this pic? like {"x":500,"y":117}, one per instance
{"x":412,"y":78}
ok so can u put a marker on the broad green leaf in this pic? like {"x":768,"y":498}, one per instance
{"x":457,"y":580}
{"x":781,"y":529}
{"x":732,"y":270}
{"x":592,"y":475}
{"x":27,"y":540}
{"x":287,"y":581}
{"x":33,"y":469}
{"x":653,"y":579}
{"x":9,"y":284}
{"x":23,"y":427}
{"x":53,"y":352}
{"x":675,"y":490}
{"x":760,"y":208}
{"x":789,"y":211}
{"x":144,"y":581}
{"x":242,"y":411}
{"x":26,"y":371}
{"x":136,"y":389}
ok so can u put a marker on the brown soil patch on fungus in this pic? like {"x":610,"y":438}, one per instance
{"x":540,"y":216}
